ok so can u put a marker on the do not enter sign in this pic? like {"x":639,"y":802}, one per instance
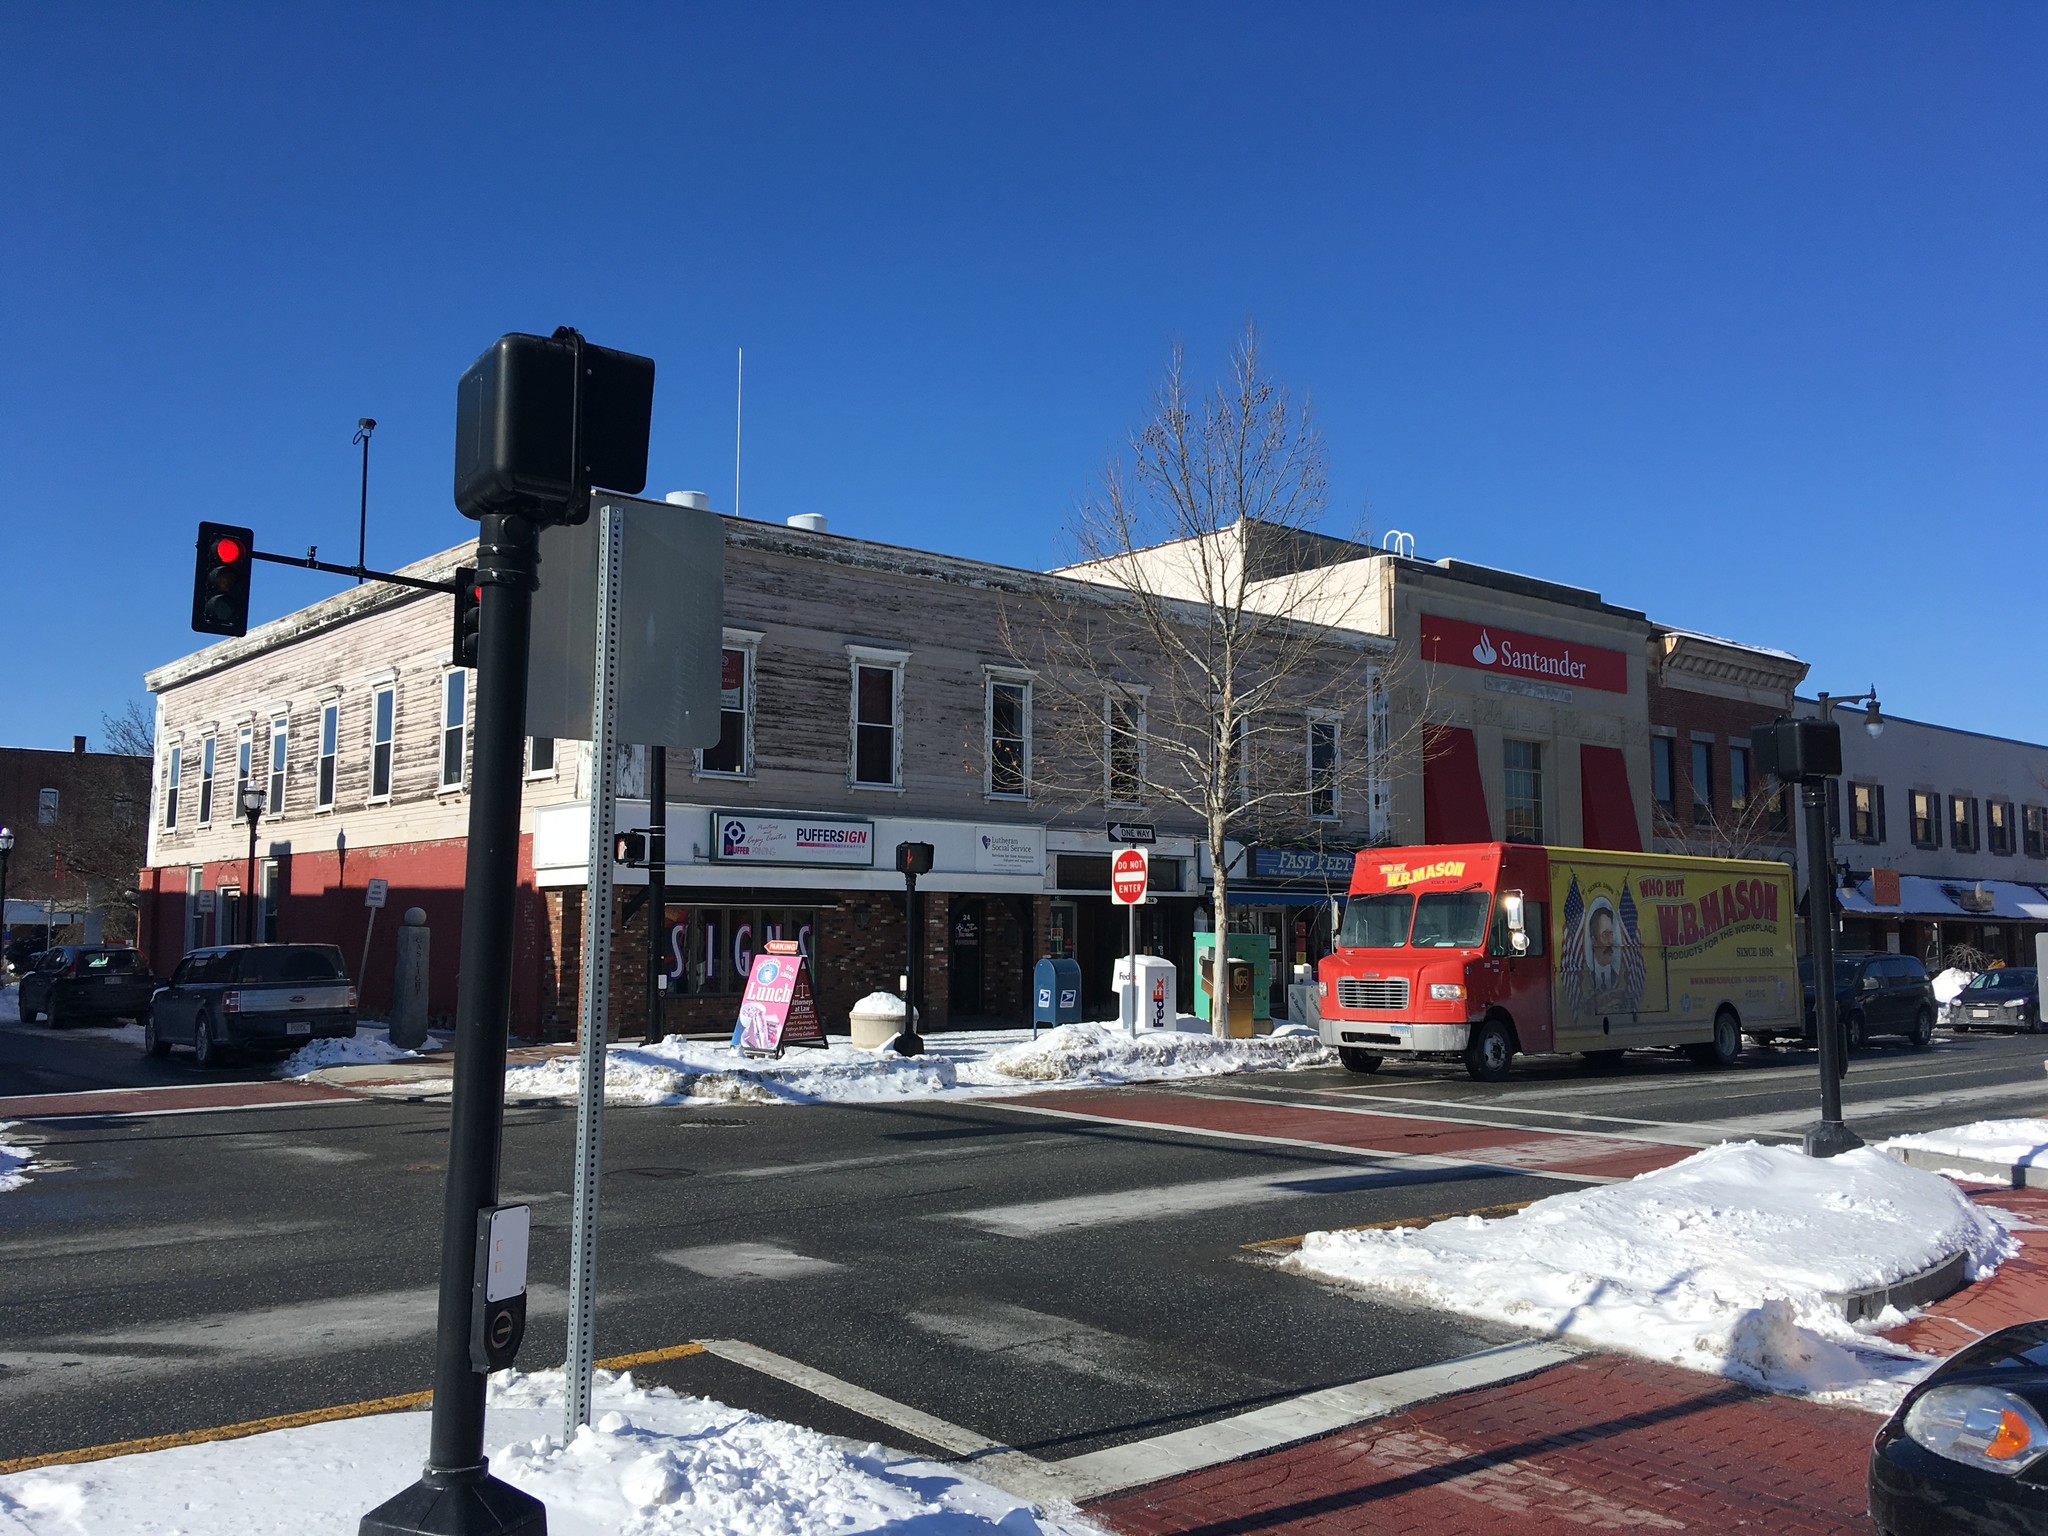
{"x":1129,"y":874}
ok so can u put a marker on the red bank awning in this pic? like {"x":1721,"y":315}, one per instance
{"x":1453,"y":798}
{"x":1605,"y":802}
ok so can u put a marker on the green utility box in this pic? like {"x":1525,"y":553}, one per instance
{"x":1250,"y":964}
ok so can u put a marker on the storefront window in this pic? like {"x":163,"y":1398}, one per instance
{"x":1523,"y":821}
{"x":711,"y":949}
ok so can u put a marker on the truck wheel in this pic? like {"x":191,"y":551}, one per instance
{"x":1921,"y":1035}
{"x":1359,"y":1061}
{"x":1490,"y":1053}
{"x":206,"y":1051}
{"x":152,"y":1042}
{"x":1726,"y":1045}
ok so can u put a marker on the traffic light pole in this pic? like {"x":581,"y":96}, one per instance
{"x":456,"y":1495}
{"x":657,"y":889}
{"x":1830,"y":1135}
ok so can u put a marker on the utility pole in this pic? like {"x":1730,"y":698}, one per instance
{"x":657,"y":892}
{"x":1830,"y":1135}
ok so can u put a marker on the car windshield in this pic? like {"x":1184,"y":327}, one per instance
{"x":307,"y":962}
{"x":1845,"y":972}
{"x":1440,"y":919}
{"x":1376,"y":922}
{"x":109,"y":960}
{"x":2011,"y":979}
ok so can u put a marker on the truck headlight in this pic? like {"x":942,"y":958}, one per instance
{"x":1980,"y":1427}
{"x":1446,"y":992}
{"x":1322,"y":989}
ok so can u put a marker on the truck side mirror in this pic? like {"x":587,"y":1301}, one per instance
{"x":1518,"y":933}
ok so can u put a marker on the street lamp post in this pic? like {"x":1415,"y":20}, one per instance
{"x":6,"y":931}
{"x":252,"y":810}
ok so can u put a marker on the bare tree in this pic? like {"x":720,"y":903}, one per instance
{"x":1760,"y":829}
{"x":1233,"y":666}
{"x":131,"y":733}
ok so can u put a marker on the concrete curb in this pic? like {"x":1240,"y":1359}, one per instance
{"x":1930,"y":1284}
{"x":2012,"y":1176}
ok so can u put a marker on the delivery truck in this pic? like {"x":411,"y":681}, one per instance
{"x":1484,"y":951}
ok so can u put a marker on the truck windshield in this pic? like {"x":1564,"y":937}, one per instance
{"x":1442,"y":920}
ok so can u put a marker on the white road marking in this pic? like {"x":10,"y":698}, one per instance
{"x":115,"y":1244}
{"x":153,"y":1114}
{"x":878,"y":1160}
{"x":833,"y":1389}
{"x":1502,"y":1123}
{"x":746,"y":1261}
{"x":1019,"y":1334}
{"x":1905,"y":1104}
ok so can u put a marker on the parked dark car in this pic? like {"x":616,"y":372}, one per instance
{"x":76,"y":982}
{"x":270,"y":997}
{"x":1877,"y":995}
{"x":2007,"y":999}
{"x":1967,"y":1451}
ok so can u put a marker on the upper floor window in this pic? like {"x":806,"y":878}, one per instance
{"x":245,"y":760}
{"x":1780,"y":805}
{"x":279,"y":739}
{"x":205,"y":781}
{"x":1866,"y":812}
{"x":1007,"y":715}
{"x":877,"y":746}
{"x":734,"y":753}
{"x":1962,"y":823}
{"x":46,"y":807}
{"x":1702,"y":783}
{"x":454,"y":725}
{"x":1123,"y":749}
{"x":2034,"y":830}
{"x":1322,"y":769}
{"x":1522,"y":797}
{"x":173,"y":781}
{"x":383,"y":722}
{"x":1926,"y":819}
{"x":1998,"y":826}
{"x":1664,"y":774}
{"x":330,"y":740}
{"x":540,"y":756}
{"x":1738,"y":778}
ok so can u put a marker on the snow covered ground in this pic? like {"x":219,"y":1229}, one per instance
{"x":653,"y":1463}
{"x":14,"y":1161}
{"x":958,"y":1064}
{"x":1722,"y":1263}
{"x":2009,"y":1143}
{"x":1948,"y":985}
{"x":369,"y":1045}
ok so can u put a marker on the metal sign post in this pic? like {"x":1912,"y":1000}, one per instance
{"x":597,"y":972}
{"x":1130,"y":873}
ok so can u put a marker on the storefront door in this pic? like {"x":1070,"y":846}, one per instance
{"x":969,"y":924}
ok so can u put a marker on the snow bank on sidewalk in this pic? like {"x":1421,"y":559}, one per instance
{"x":654,"y":1462}
{"x":14,"y":1161}
{"x":956,"y":1064}
{"x":2009,"y":1143}
{"x":1723,"y":1263}
{"x":368,"y":1046}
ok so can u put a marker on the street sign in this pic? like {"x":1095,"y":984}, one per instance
{"x":1132,"y":832}
{"x":375,"y":892}
{"x":1130,"y":870}
{"x":206,"y":900}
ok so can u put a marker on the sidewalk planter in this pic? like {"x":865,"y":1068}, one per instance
{"x":877,"y":1019}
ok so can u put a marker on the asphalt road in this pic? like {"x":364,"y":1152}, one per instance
{"x":1054,"y":1285}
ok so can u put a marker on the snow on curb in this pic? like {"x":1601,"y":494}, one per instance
{"x":14,"y":1161}
{"x":2013,"y":1153}
{"x":1732,"y":1261}
{"x":957,"y":1064}
{"x":653,"y":1462}
{"x":368,"y":1046}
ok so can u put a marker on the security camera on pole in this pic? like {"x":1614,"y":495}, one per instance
{"x":1130,"y":876}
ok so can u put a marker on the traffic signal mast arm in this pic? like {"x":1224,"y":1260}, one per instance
{"x":308,"y":563}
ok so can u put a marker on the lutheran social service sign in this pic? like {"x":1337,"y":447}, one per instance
{"x":1492,"y":649}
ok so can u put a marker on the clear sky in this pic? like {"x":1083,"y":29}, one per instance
{"x":1734,"y":312}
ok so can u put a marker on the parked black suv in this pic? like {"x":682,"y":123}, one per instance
{"x":268,"y":996}
{"x":1877,"y":995}
{"x":76,"y":982}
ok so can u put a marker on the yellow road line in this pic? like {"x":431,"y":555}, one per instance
{"x":1488,"y":1212}
{"x":249,"y":1427}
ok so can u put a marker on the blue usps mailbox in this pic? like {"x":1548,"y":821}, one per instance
{"x":1055,"y":993}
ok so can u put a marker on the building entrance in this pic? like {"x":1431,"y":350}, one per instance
{"x":968,"y":939}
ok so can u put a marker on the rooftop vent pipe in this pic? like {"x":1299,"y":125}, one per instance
{"x":810,"y":522}
{"x":696,"y":500}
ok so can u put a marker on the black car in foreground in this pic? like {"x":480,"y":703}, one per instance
{"x":1967,"y":1452}
{"x":272,"y":997}
{"x":1877,"y":995}
{"x":76,"y":982}
{"x":2006,"y":999}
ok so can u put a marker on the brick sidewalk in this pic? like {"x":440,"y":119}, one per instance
{"x":1608,"y":1443}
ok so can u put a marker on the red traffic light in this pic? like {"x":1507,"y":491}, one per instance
{"x":227,"y":551}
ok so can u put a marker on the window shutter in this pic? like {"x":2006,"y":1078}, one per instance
{"x":1877,"y":806}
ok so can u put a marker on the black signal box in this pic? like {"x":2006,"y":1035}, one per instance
{"x":1798,"y":751}
{"x":516,"y":410}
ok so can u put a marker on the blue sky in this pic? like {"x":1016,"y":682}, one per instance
{"x":1734,"y":312}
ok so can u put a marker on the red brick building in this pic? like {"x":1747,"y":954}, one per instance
{"x":1706,"y":695}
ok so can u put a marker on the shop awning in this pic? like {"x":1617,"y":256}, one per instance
{"x":1269,"y":896}
{"x":1453,"y":795}
{"x":1605,"y":801}
{"x":1922,"y":896}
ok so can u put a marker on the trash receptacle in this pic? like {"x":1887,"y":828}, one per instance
{"x":1055,"y":993}
{"x":1242,"y":1013}
{"x":1158,"y":991}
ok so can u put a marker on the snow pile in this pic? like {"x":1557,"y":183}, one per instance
{"x":2008,"y":1143}
{"x":884,"y":1005}
{"x":1948,"y":986}
{"x":14,"y":1162}
{"x":365,"y":1048}
{"x":1725,"y":1263}
{"x":679,"y":1071}
{"x":653,"y":1462}
{"x":1104,"y":1053}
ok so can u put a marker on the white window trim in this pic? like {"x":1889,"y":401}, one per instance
{"x":441,"y":786}
{"x":858,"y":656}
{"x":748,"y":643}
{"x":206,"y":796}
{"x":329,"y":700}
{"x":1335,"y":722}
{"x":1136,"y":696}
{"x":541,"y":775}
{"x":383,"y":683}
{"x":172,"y":785}
{"x":1016,"y":677}
{"x":277,"y":764}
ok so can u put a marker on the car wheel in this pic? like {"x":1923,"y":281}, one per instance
{"x":51,"y":1015}
{"x":1724,"y":1048}
{"x":206,"y":1052}
{"x":1854,"y":1031}
{"x":1603,"y":1058}
{"x":152,"y":1042}
{"x":1921,"y":1035}
{"x":1490,"y":1054}
{"x":1359,"y":1061}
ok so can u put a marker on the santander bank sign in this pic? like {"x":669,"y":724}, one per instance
{"x":1492,"y":649}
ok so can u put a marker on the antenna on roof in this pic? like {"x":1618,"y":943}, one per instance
{"x":739,"y":390}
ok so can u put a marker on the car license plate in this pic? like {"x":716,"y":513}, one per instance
{"x":112,"y":981}
{"x":298,"y":1027}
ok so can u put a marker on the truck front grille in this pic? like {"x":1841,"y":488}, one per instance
{"x":1390,"y":993}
